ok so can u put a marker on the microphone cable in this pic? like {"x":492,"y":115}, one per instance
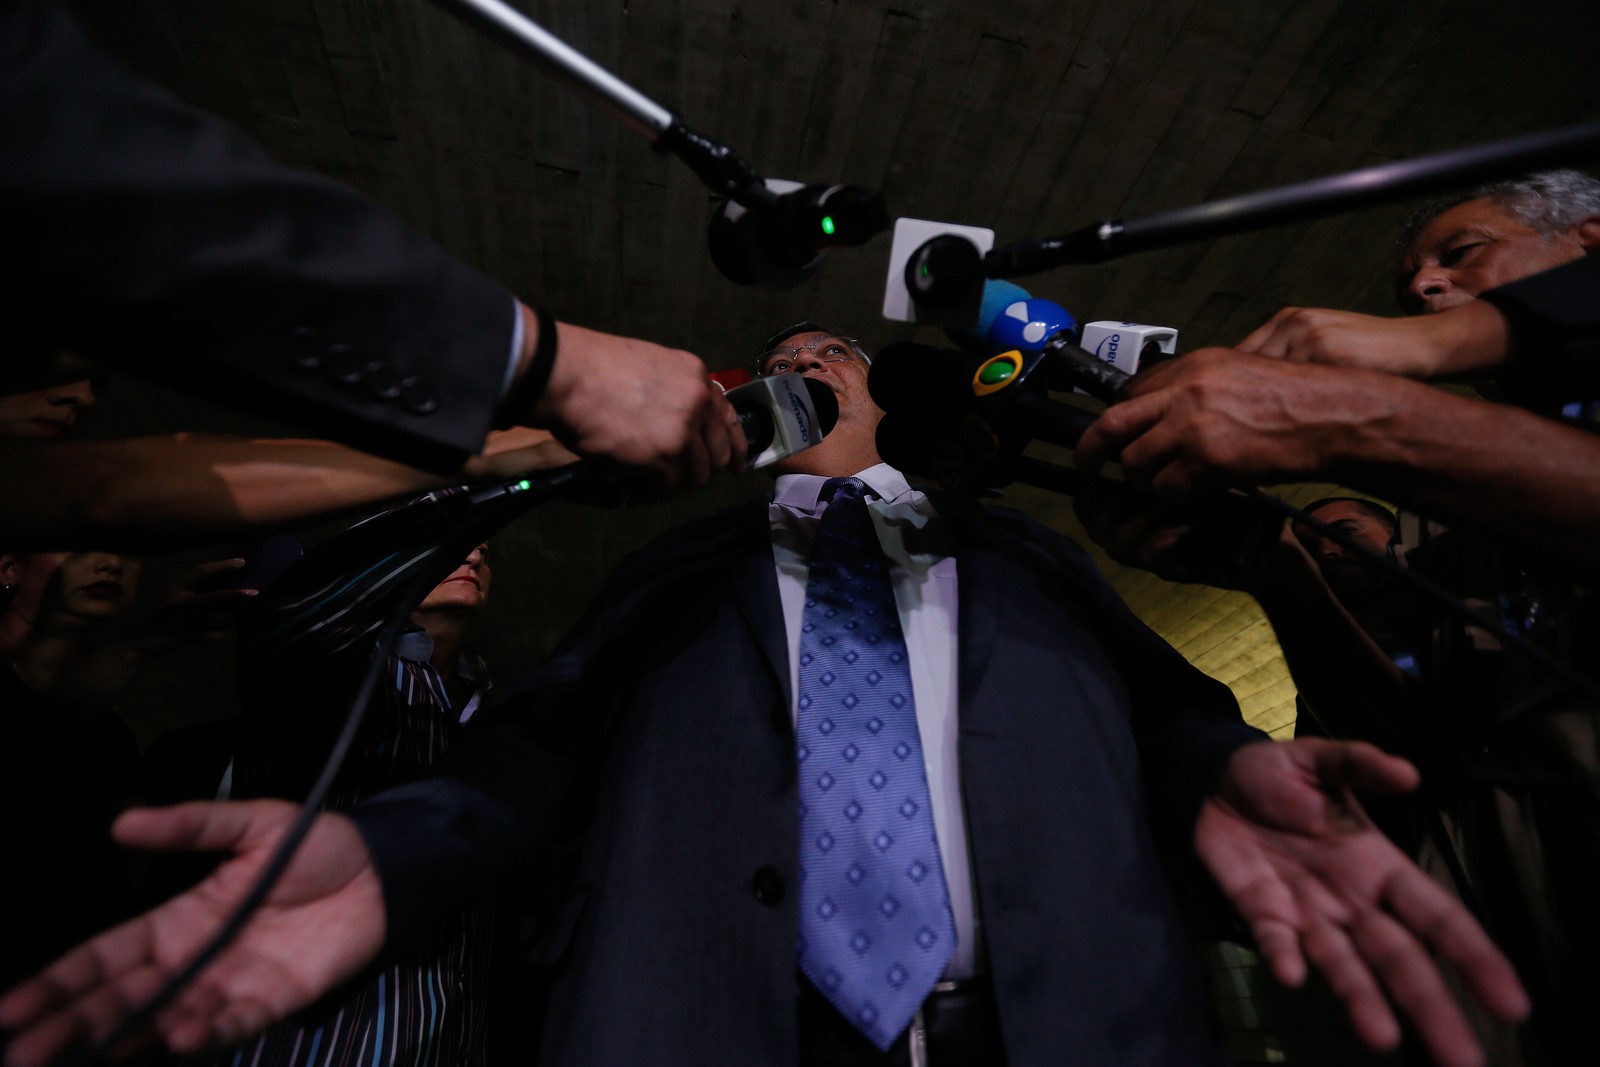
{"x":526,"y":492}
{"x":1586,"y":684}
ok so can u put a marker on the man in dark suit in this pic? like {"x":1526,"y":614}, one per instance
{"x":1059,"y":737}
{"x":152,"y":236}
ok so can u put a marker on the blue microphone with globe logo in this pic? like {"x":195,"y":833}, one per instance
{"x":1028,"y":323}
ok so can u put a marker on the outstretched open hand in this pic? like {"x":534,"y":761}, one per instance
{"x":1292,"y":849}
{"x":322,"y":922}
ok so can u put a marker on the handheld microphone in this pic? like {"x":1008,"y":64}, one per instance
{"x":998,"y":295}
{"x":940,"y":383}
{"x":1028,"y":323}
{"x":935,"y":272}
{"x":907,"y":375}
{"x":779,"y":243}
{"x":782,"y":414}
{"x":1096,"y":359}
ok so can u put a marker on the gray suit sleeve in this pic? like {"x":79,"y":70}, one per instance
{"x":155,"y":237}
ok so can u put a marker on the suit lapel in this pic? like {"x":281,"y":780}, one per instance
{"x":754,"y":578}
{"x":980,"y":612}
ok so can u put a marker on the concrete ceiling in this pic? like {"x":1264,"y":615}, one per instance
{"x":1029,"y":116}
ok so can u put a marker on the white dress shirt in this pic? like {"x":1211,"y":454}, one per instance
{"x":922,"y":569}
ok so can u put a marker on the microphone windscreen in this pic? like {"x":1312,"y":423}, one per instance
{"x":907,"y":375}
{"x":825,"y":404}
{"x":1025,"y":325}
{"x":998,"y":294}
{"x":913,"y":442}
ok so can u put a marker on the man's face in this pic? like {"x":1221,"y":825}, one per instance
{"x":832,"y":361}
{"x":467,"y":587}
{"x":1473,"y":247}
{"x":47,"y":412}
{"x":1345,"y":572}
{"x":853,"y":438}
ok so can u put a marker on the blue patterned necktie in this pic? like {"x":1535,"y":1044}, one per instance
{"x":876,"y":928}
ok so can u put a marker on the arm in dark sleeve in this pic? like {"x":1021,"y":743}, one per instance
{"x":157,"y":238}
{"x":498,"y":797}
{"x":1555,"y":325}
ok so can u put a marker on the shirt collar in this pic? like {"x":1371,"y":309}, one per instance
{"x":417,"y":646}
{"x":414,"y":645}
{"x":799,"y":492}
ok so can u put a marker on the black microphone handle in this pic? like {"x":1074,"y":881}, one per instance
{"x":1051,"y":420}
{"x":1300,"y":202}
{"x":1082,"y":369}
{"x":1045,"y":475}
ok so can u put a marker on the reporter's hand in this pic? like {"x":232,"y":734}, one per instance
{"x":1292,"y":849}
{"x":1217,"y":418}
{"x":1464,"y":340}
{"x":1203,"y":542}
{"x":322,"y":923}
{"x":189,"y":615}
{"x":641,"y":405}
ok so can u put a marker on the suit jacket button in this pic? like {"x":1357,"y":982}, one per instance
{"x":767,"y":884}
{"x":304,"y":352}
{"x":342,"y":365}
{"x":381,"y":380}
{"x":418,"y":397}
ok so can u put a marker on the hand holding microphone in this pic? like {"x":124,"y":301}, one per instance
{"x":638,"y":404}
{"x":779,"y":414}
{"x":1218,"y":418}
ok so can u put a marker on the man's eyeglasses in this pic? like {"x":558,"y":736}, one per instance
{"x":785,"y":360}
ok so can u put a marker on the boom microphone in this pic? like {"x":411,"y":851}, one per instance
{"x":780,"y":243}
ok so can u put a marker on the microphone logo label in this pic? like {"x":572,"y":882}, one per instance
{"x":802,"y":418}
{"x":1106,"y":350}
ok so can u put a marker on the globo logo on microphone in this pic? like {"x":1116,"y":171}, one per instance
{"x":1106,"y":350}
{"x":1028,"y":324}
{"x":1124,"y":344}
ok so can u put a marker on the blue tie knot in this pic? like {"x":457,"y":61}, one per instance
{"x":842,"y":490}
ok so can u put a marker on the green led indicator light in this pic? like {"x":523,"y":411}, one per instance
{"x":827,"y":225}
{"x":997,"y":372}
{"x":524,"y":484}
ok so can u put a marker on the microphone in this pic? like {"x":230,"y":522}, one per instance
{"x":940,"y":383}
{"x":907,"y":375}
{"x":779,"y":243}
{"x":935,"y":272}
{"x":782,"y":414}
{"x":1030,"y":324}
{"x":998,"y":294}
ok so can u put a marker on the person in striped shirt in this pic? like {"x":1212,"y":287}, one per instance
{"x":303,"y":650}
